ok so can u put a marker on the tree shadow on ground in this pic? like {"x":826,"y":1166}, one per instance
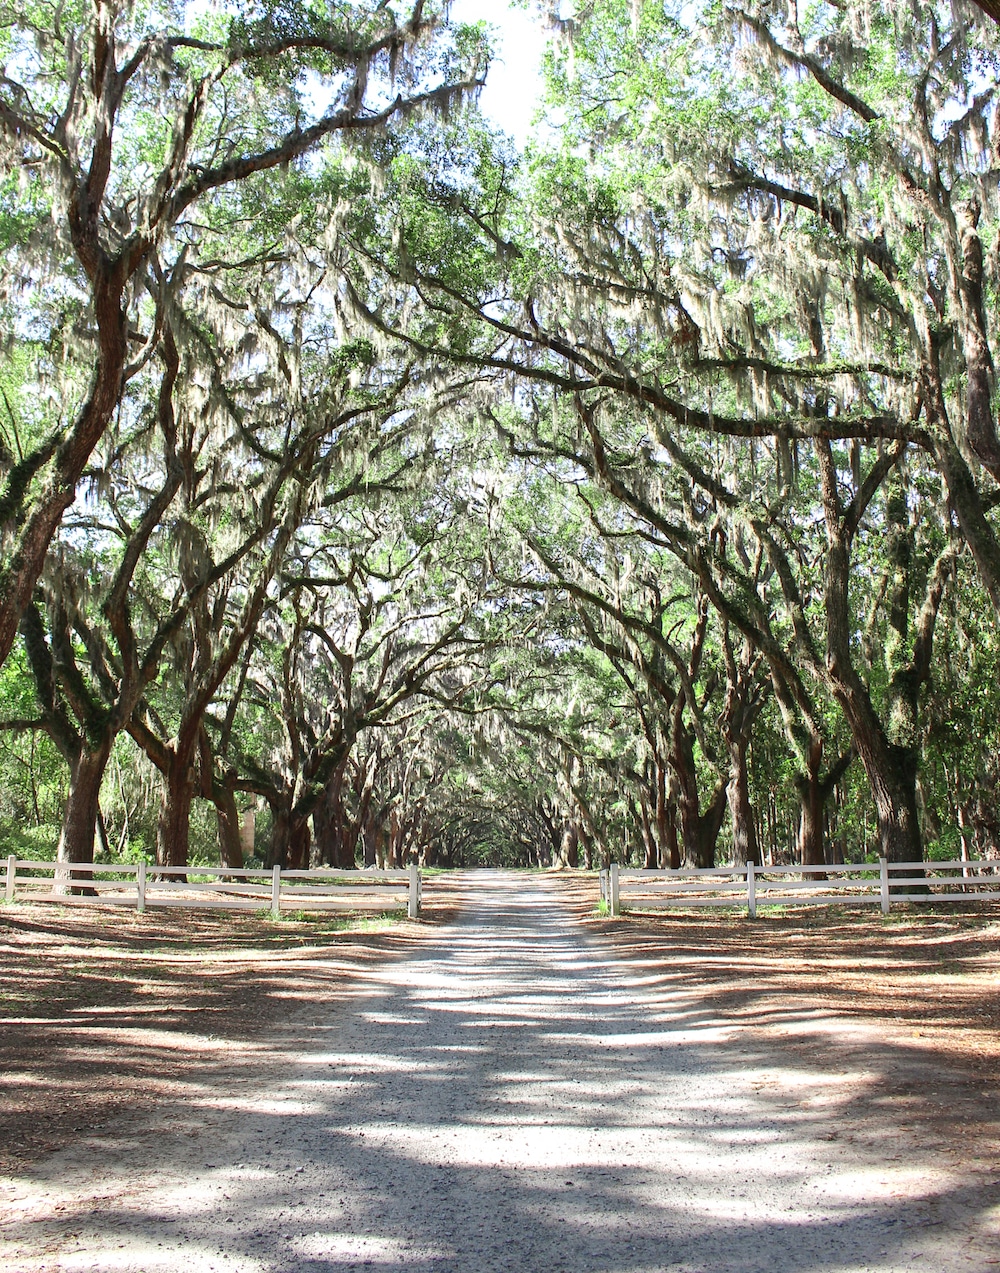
{"x":566,"y":1117}
{"x":103,"y":1011}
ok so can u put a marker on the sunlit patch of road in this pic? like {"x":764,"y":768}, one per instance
{"x":508,"y":1095}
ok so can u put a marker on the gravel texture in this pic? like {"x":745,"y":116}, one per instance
{"x":510,"y":1095}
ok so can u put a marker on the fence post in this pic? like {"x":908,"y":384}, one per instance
{"x":11,"y":876}
{"x":276,"y":892}
{"x":883,"y":877}
{"x":61,"y":878}
{"x":616,"y":906}
{"x":751,"y":891}
{"x":413,"y":904}
{"x":140,"y":888}
{"x":602,"y":883}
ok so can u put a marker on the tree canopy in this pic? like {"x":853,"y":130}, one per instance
{"x":630,"y":498}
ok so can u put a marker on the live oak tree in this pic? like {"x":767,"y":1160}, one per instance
{"x":124,"y":124}
{"x":600,"y":671}
{"x":794,"y":594}
{"x":343,"y":450}
{"x":578,"y":495}
{"x":765,"y":230}
{"x":830,"y":188}
{"x":375,"y":620}
{"x":90,"y":666}
{"x":697,"y":686}
{"x":230,"y":481}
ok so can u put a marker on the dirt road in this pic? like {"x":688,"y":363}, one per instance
{"x":511,"y":1095}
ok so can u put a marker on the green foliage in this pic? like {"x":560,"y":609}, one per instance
{"x":498,"y":472}
{"x":30,"y":843}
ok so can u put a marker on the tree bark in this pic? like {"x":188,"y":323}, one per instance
{"x":699,"y":831}
{"x":811,"y":848}
{"x":24,"y":563}
{"x":651,"y":848}
{"x":370,"y":836}
{"x":76,"y":839}
{"x":173,"y":829}
{"x":891,"y":770}
{"x":569,"y":846}
{"x":814,"y":792}
{"x":980,"y":425}
{"x":892,"y":776}
{"x":673,"y":843}
{"x":584,"y":838}
{"x":666,"y":819}
{"x":228,"y":820}
{"x":394,"y":839}
{"x":330,"y":823}
{"x":290,"y":838}
{"x":299,"y":845}
{"x":336,"y":831}
{"x":745,"y":846}
{"x":277,"y":853}
{"x":963,"y":491}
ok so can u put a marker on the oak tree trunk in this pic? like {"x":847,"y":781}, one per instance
{"x":892,"y":775}
{"x":569,"y":846}
{"x":699,"y":831}
{"x":228,"y":820}
{"x":371,"y":832}
{"x":811,"y":848}
{"x":38,"y":518}
{"x":173,"y":831}
{"x":672,"y":842}
{"x":745,"y":846}
{"x":76,"y":839}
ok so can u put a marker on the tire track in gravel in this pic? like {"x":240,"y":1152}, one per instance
{"x":507,"y":1096}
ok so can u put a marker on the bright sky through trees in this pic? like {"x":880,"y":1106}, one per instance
{"x":637,"y":501}
{"x":513,"y":86}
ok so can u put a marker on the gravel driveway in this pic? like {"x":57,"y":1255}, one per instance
{"x":508,"y":1097}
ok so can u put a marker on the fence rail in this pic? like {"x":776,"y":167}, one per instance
{"x":141,"y":886}
{"x":750,"y":886}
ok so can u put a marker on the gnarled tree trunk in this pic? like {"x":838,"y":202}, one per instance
{"x":745,"y":846}
{"x":811,"y":802}
{"x":699,"y":831}
{"x":173,"y":829}
{"x":228,"y":820}
{"x":892,"y":776}
{"x":569,"y":846}
{"x":76,"y":840}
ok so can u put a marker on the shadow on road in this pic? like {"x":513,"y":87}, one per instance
{"x":507,"y":1096}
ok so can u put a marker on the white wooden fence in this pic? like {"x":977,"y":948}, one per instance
{"x":140,"y":886}
{"x":752,"y":886}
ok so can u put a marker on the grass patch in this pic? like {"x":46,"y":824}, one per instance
{"x":341,"y":923}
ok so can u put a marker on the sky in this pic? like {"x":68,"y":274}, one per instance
{"x":513,"y":85}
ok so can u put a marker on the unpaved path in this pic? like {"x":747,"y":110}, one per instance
{"x":510,"y":1095}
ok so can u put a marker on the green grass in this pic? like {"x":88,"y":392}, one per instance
{"x":340,"y":923}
